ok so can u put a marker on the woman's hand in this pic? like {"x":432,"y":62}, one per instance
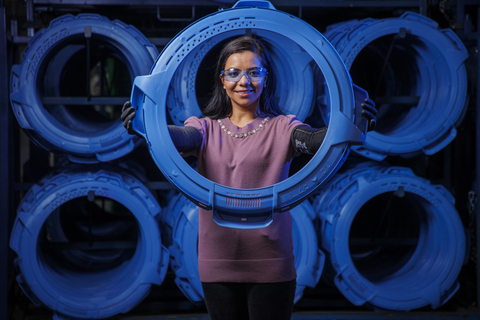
{"x":128,"y":113}
{"x":370,"y":113}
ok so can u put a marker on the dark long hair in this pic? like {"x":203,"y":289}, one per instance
{"x":220,"y":105}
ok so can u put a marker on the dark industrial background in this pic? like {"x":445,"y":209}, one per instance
{"x":23,"y":163}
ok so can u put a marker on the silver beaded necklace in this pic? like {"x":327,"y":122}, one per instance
{"x":242,"y":135}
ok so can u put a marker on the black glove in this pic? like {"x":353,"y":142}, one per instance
{"x":128,"y":113}
{"x":185,"y":139}
{"x":370,"y":113}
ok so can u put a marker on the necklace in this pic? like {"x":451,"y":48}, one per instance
{"x":242,"y":135}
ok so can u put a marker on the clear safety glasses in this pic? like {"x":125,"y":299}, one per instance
{"x":254,"y":74}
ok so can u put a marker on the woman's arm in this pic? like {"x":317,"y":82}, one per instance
{"x":306,"y":139}
{"x":185,"y":139}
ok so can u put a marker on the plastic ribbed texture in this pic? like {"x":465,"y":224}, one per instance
{"x":394,"y":240}
{"x":420,"y":83}
{"x":57,"y":55}
{"x":231,"y":207}
{"x":61,"y":279}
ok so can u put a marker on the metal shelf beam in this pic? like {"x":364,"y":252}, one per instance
{"x":279,"y":3}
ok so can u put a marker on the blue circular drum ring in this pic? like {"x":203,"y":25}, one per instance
{"x":438,"y":56}
{"x":248,"y":208}
{"x":88,"y":295}
{"x":81,"y":145}
{"x":428,"y":274}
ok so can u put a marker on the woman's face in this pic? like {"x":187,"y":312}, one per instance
{"x":244,"y":93}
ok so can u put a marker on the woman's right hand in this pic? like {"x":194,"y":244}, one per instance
{"x":128,"y":113}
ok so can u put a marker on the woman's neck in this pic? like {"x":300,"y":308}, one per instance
{"x":241,"y":118}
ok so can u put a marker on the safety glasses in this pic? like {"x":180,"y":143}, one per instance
{"x":253,"y":74}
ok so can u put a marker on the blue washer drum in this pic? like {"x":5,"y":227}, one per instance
{"x":180,"y":225}
{"x":430,"y":67}
{"x":97,"y":294}
{"x":59,"y":129}
{"x":425,"y":274}
{"x":180,"y":232}
{"x":249,"y":208}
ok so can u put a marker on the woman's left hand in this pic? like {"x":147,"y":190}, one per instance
{"x":370,"y":113}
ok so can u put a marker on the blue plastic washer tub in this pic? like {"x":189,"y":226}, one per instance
{"x":180,"y":227}
{"x":429,"y":65}
{"x":72,"y":292}
{"x":248,"y":208}
{"x":180,"y":235}
{"x":62,"y":131}
{"x":402,"y":277}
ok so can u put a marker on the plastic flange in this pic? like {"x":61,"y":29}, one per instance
{"x":180,"y":235}
{"x":71,"y":292}
{"x":249,"y":208}
{"x":180,"y":229}
{"x":429,"y":66}
{"x":59,"y":129}
{"x":413,"y":253}
{"x":309,"y":259}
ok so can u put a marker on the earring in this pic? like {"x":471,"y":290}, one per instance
{"x":264,"y":84}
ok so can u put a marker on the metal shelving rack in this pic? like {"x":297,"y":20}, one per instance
{"x":10,"y":188}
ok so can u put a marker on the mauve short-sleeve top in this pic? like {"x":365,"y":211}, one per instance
{"x":258,"y":160}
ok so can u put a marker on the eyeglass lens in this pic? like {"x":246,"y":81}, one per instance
{"x":234,"y":74}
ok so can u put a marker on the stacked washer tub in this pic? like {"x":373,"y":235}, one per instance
{"x":393,"y":240}
{"x":87,"y":237}
{"x":320,"y":92}
{"x":73,"y":281}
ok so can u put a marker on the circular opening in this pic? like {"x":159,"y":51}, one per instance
{"x":388,"y":68}
{"x":296,"y":73}
{"x":83,"y":237}
{"x":171,"y":67}
{"x":384,"y":235}
{"x":205,"y":77}
{"x":76,"y":76}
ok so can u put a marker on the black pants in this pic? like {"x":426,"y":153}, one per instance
{"x":249,"y":301}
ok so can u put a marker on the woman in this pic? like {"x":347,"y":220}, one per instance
{"x":243,"y":141}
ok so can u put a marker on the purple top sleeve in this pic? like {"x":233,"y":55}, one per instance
{"x":258,"y":160}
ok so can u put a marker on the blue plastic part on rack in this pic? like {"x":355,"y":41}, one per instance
{"x":309,"y":259}
{"x":248,"y":208}
{"x":428,"y":75}
{"x":73,"y":292}
{"x":409,"y":259}
{"x":253,"y":3}
{"x":180,"y":234}
{"x":59,"y":128}
{"x":180,"y":229}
